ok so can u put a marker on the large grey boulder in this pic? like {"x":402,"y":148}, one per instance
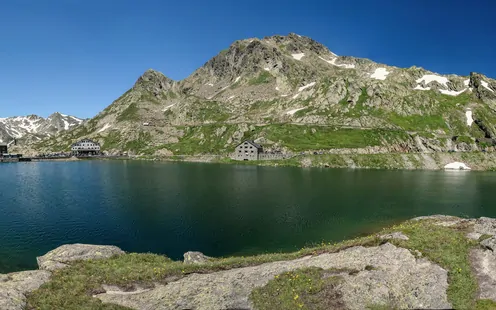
{"x":396,"y":278}
{"x":61,"y":256}
{"x":15,"y":286}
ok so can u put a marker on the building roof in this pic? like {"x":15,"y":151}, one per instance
{"x":258,"y":146}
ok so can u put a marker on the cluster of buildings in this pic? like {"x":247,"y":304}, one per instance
{"x":247,"y":150}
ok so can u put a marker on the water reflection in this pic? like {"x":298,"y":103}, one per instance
{"x":218,"y":209}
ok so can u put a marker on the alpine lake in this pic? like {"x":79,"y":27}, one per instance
{"x":218,"y":209}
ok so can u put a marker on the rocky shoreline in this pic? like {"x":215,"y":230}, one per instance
{"x":396,"y":268}
{"x":478,"y":161}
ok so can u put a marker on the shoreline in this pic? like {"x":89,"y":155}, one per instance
{"x":451,"y":258}
{"x":477,"y":161}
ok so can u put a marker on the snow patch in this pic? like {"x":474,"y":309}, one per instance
{"x":470,"y":120}
{"x":333,"y":62}
{"x":231,"y":97}
{"x":277,"y":88}
{"x":433,"y":77}
{"x":486,"y":85}
{"x":306,"y":86}
{"x":267,"y":69}
{"x":418,"y":87}
{"x":452,"y":92}
{"x":284,"y":95}
{"x":292,"y":112}
{"x":296,"y":96}
{"x":380,"y":74}
{"x":76,"y":119}
{"x":237,"y":79}
{"x":66,"y":124}
{"x":457,"y":166}
{"x":209,"y":84}
{"x":168,"y":107}
{"x":105,"y":127}
{"x":466,"y":82}
{"x":298,"y":56}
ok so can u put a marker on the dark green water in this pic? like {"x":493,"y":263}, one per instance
{"x":221,"y":210}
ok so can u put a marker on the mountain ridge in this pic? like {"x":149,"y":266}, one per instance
{"x":32,"y":126}
{"x":263,"y":88}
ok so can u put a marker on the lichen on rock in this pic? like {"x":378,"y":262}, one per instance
{"x":61,"y":256}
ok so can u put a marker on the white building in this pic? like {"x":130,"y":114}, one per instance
{"x":85,"y":147}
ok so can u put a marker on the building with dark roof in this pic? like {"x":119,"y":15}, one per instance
{"x":248,"y":150}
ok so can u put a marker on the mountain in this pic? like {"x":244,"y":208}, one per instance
{"x":35,"y":128}
{"x":291,"y":93}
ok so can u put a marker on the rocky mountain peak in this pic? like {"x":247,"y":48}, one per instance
{"x":484,"y":88}
{"x":153,"y":81}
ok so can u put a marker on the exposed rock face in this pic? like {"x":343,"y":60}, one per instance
{"x":195,"y":258}
{"x":397,"y":278}
{"x":15,"y":286}
{"x":61,"y":256}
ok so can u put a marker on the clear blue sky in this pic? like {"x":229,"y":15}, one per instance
{"x":77,"y":56}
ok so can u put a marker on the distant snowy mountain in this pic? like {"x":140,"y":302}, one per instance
{"x":33,"y":127}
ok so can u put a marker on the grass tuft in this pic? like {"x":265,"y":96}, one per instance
{"x":308,"y":289}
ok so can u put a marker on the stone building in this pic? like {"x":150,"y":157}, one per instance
{"x":85,"y":147}
{"x":248,"y":150}
{"x":3,"y":149}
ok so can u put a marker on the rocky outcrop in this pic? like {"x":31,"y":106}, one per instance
{"x":383,"y":275}
{"x":195,"y":258}
{"x":61,"y":256}
{"x":15,"y":286}
{"x":395,"y":235}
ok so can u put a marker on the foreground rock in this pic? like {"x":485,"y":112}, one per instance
{"x":15,"y":286}
{"x":61,"y":256}
{"x":384,"y":275}
{"x":195,"y":258}
{"x":484,"y":266}
{"x":483,"y":260}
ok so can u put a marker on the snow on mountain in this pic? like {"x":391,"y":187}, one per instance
{"x":18,"y":127}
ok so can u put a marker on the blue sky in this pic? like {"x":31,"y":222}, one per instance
{"x":77,"y":56}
